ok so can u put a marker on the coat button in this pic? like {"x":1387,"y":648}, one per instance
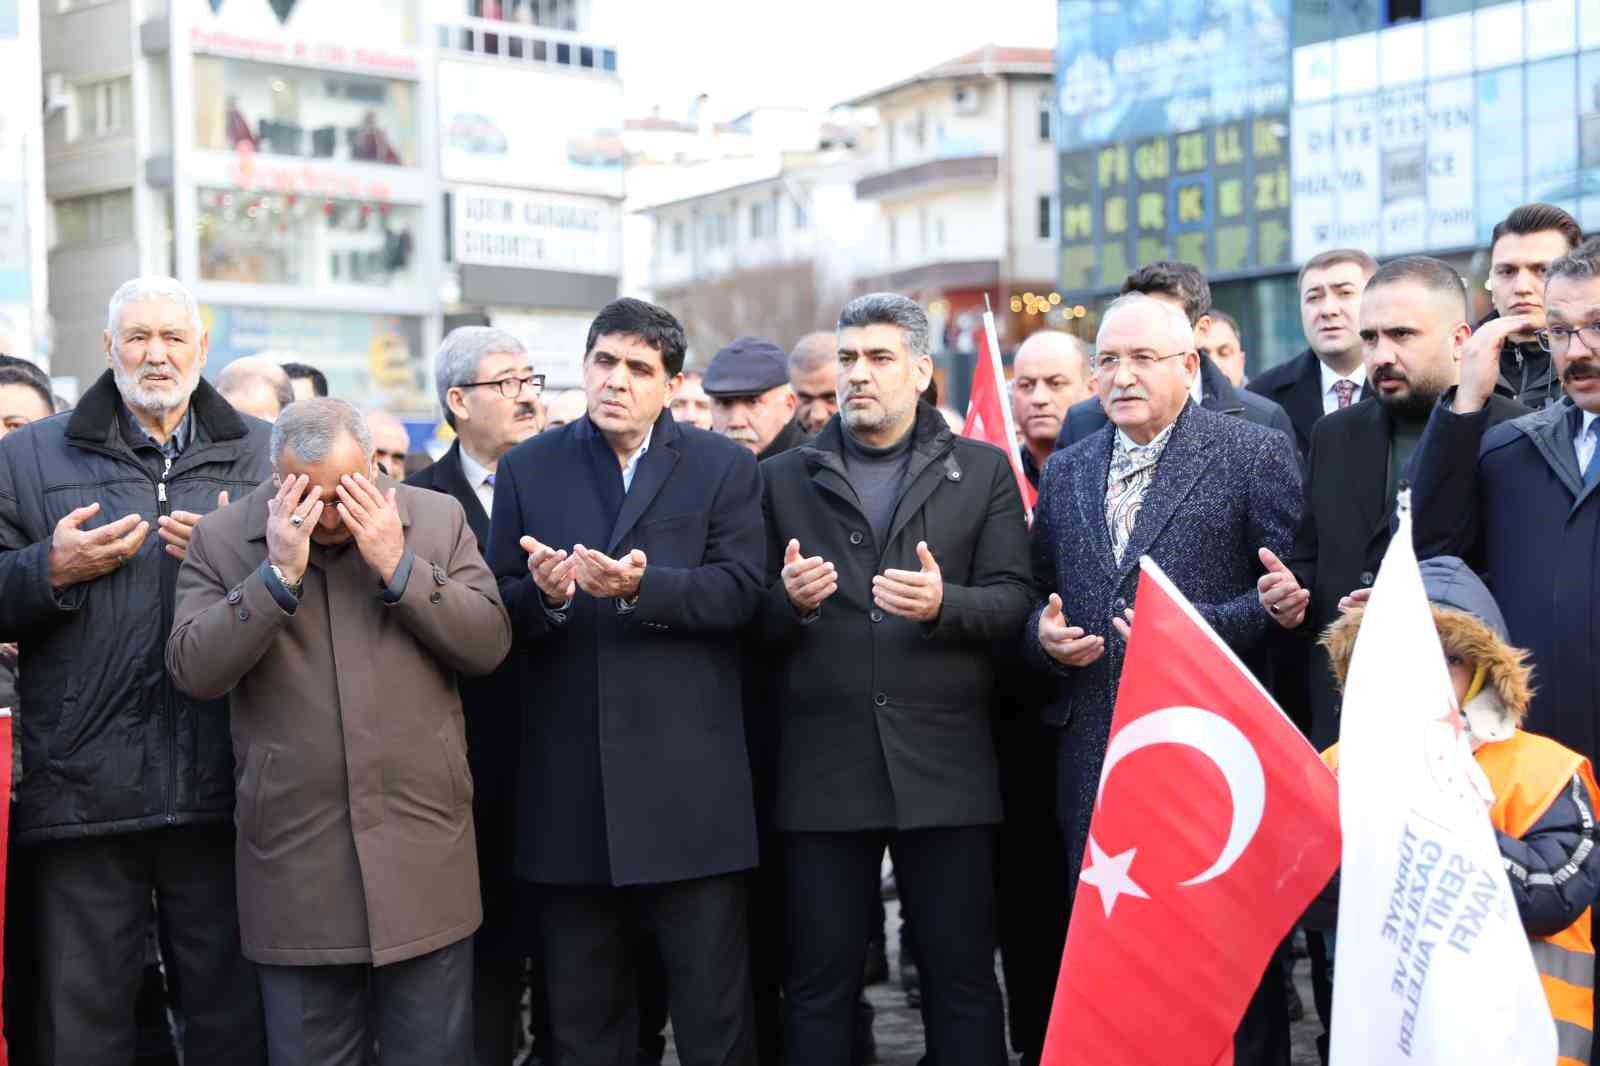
{"x":880,"y":700}
{"x":234,"y":596}
{"x":1121,"y":605}
{"x":244,"y":615}
{"x":876,"y":615}
{"x":955,"y":475}
{"x":436,"y":597}
{"x":438,"y":575}
{"x":1366,"y":577}
{"x":856,"y":537}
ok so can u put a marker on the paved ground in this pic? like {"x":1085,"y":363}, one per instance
{"x":898,"y":1029}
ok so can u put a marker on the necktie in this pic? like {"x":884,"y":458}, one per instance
{"x":1345,"y":391}
{"x":1591,"y":472}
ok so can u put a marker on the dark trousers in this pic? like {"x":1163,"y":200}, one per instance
{"x":91,"y":899}
{"x":1030,"y":882}
{"x":418,"y":1011}
{"x":946,"y":885}
{"x":768,"y":950}
{"x":590,"y":933}
{"x":1262,"y":1038}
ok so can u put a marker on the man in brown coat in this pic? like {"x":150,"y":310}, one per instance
{"x":336,"y":612}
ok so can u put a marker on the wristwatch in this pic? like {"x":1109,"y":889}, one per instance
{"x":292,"y":587}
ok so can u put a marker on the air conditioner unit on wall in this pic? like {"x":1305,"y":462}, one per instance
{"x":967,"y":100}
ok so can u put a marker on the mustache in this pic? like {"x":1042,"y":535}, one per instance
{"x":525,"y":409}
{"x":1582,"y":371}
{"x":1132,"y":392}
{"x":743,"y":436}
{"x":1388,"y":373}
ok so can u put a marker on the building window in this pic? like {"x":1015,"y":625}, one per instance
{"x":1047,"y":106}
{"x":586,"y":56}
{"x":100,"y":108}
{"x":894,"y":239}
{"x":800,"y":220}
{"x":259,"y":238}
{"x":1046,"y":214}
{"x":938,"y":232}
{"x":96,"y":219}
{"x":677,"y":237}
{"x":564,"y":54}
{"x":762,"y":221}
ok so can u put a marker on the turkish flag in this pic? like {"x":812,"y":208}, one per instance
{"x":989,"y":409}
{"x":1215,"y":825}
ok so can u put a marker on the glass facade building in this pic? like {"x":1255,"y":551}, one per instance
{"x":1248,"y":135}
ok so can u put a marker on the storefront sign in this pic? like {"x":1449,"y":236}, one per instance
{"x":536,"y":231}
{"x":361,"y":60}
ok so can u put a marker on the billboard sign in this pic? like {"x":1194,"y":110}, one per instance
{"x":512,"y":125}
{"x":1139,"y":68}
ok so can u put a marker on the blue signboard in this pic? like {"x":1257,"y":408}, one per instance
{"x":1127,"y":69}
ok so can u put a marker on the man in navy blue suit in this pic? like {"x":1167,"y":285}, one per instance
{"x":631,"y":551}
{"x":1197,"y":491}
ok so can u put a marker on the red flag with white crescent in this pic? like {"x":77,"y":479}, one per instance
{"x":989,"y":409}
{"x":1214,"y":826}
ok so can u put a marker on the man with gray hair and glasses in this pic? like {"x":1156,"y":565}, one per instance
{"x":490,"y":396}
{"x":127,"y":782}
{"x":336,"y":617}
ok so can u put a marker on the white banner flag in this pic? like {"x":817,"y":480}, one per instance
{"x":1432,"y":965}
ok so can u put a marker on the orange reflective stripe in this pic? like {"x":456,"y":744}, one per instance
{"x":1568,"y":1003}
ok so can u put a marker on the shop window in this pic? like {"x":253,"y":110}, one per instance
{"x":281,"y":239}
{"x":291,"y":111}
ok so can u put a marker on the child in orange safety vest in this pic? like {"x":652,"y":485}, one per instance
{"x":1544,"y":793}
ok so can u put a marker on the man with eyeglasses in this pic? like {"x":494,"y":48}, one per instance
{"x":1197,"y":491}
{"x":490,"y":396}
{"x":1518,"y":500}
{"x":1521,"y":249}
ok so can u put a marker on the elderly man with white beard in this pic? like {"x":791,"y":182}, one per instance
{"x":127,"y":784}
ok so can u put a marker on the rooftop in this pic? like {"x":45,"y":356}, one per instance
{"x":992,"y":60}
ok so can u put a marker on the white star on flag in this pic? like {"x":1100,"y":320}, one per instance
{"x":1110,"y":875}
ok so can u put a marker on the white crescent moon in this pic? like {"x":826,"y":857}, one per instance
{"x":1218,"y":740}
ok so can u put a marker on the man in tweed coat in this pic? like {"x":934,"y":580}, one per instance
{"x":1198,"y":492}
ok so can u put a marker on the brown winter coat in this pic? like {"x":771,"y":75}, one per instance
{"x":354,"y":813}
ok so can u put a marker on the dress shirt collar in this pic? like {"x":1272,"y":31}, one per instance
{"x":632,"y":464}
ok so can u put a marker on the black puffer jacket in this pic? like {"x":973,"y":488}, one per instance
{"x":108,"y":743}
{"x":1527,"y":373}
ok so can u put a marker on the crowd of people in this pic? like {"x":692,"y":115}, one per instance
{"x":615,"y":708}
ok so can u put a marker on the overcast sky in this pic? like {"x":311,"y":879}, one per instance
{"x":813,"y":53}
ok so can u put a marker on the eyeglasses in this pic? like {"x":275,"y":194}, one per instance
{"x":1559,"y":338}
{"x":510,"y":388}
{"x":1141,"y":362}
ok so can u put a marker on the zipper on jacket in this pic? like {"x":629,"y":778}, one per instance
{"x":163,"y":507}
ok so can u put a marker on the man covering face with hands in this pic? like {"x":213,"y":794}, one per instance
{"x":336,"y":616}
{"x":897,"y":558}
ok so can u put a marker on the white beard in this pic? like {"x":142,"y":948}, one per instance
{"x":156,"y":402}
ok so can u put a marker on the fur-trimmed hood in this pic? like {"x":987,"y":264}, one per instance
{"x":1508,"y":685}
